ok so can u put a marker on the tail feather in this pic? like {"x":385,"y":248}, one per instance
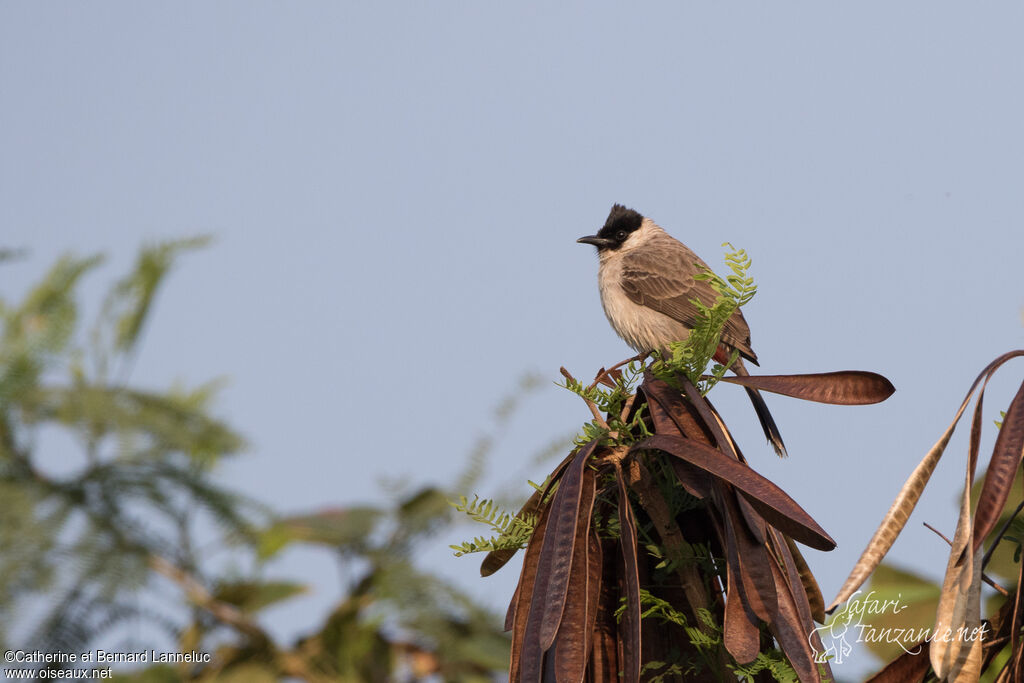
{"x":771,"y":430}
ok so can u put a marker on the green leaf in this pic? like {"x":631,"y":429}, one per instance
{"x":130,"y":301}
{"x":158,"y":422}
{"x":45,"y":320}
{"x":895,"y":599}
{"x":336,"y":527}
{"x":41,"y":327}
{"x":252,"y":596}
{"x":512,"y":531}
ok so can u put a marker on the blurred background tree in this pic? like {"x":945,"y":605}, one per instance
{"x":116,"y":533}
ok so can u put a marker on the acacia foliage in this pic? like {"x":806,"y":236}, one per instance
{"x":115,"y":534}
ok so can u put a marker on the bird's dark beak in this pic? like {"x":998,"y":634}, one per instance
{"x":599,"y":242}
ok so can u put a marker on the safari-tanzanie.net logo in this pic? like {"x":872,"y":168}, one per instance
{"x":854,"y":625}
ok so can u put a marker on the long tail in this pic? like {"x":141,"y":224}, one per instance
{"x":771,"y":430}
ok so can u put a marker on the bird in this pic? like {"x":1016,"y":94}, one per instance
{"x":646,"y":280}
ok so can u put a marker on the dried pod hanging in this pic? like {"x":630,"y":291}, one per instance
{"x":715,"y":585}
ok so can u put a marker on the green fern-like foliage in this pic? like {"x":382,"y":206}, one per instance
{"x":78,"y":538}
{"x":772,"y":661}
{"x":611,"y":401}
{"x":654,"y":607}
{"x":511,"y":531}
{"x":100,"y":537}
{"x":705,"y":638}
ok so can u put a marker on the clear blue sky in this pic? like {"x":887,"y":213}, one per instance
{"x":396,"y":191}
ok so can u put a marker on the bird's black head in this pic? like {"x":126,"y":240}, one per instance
{"x":621,"y":223}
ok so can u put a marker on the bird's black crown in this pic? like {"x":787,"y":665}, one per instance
{"x":621,"y":223}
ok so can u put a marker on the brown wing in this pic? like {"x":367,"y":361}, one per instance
{"x":666,"y":284}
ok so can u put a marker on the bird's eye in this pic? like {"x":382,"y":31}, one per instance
{"x":621,"y":235}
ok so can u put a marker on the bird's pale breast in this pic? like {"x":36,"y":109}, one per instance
{"x":641,"y":327}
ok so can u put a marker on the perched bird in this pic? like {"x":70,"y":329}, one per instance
{"x":646,"y":278}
